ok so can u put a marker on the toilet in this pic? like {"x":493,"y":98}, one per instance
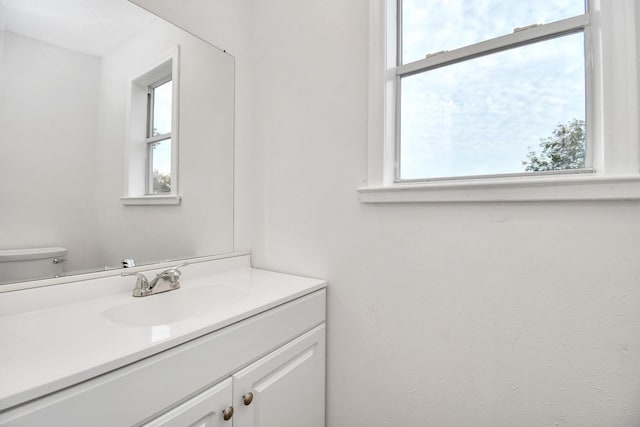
{"x":33,"y":263}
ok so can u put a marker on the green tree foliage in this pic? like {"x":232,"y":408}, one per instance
{"x":565,"y":149}
{"x":161,"y":182}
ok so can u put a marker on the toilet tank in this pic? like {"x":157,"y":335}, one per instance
{"x":33,"y":263}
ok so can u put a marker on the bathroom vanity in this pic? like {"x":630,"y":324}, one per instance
{"x":234,"y":346}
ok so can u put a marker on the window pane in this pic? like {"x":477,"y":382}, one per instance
{"x":160,"y":165}
{"x":162,"y":96}
{"x":485,"y":115}
{"x":430,"y":26}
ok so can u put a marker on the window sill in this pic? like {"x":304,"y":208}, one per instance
{"x":174,"y":199}
{"x":507,"y":190}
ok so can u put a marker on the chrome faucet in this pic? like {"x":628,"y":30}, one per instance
{"x":167,"y":280}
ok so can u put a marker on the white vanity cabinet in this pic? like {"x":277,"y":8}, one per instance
{"x":277,"y":356}
{"x":283,"y":389}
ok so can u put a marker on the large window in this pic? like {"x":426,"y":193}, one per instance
{"x":491,"y":87}
{"x":468,"y":95}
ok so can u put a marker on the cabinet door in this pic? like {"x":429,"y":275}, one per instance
{"x":286,"y":386}
{"x":204,"y":410}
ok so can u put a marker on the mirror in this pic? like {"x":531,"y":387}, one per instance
{"x":79,"y":166}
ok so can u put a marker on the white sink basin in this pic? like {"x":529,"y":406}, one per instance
{"x":173,"y":306}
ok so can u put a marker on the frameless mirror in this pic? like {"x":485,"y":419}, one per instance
{"x":99,"y":155}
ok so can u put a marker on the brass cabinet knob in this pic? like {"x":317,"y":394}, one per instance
{"x":247,"y":398}
{"x":227,"y":413}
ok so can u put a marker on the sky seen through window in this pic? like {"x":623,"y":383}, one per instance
{"x":484,"y":115}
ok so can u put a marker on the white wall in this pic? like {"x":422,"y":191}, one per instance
{"x":203,"y":222}
{"x":47,"y":131}
{"x":521,"y":314}
{"x":441,"y":314}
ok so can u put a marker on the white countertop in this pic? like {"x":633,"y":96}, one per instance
{"x":66,"y":341}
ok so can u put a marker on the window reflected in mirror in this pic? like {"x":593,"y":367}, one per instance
{"x":96,"y":160}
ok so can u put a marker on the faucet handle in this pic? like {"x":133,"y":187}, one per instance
{"x":173,"y":271}
{"x":182,"y":264}
{"x":134,"y":273}
{"x":172,"y":275}
{"x":142,"y":284}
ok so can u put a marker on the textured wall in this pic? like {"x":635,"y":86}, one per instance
{"x":439,"y":315}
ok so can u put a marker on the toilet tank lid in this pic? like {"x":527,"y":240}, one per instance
{"x":31,"y":253}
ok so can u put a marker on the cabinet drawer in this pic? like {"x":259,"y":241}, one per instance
{"x":137,"y":392}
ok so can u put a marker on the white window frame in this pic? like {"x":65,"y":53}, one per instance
{"x":151,"y":139}
{"x":137,"y":152}
{"x":613,"y":49}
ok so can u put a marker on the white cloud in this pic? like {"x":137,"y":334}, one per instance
{"x":481,"y":116}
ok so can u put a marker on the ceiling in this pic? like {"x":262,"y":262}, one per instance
{"x":93,"y":27}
